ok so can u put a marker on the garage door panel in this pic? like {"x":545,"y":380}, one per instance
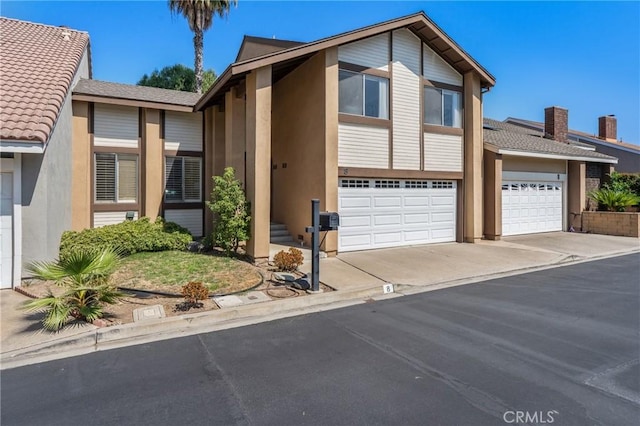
{"x":442,"y":234}
{"x":440,"y":200}
{"x":417,"y":237}
{"x":355,"y":221}
{"x":381,"y":214}
{"x":391,"y":202}
{"x":416,"y":218}
{"x":529,"y":207}
{"x":355,"y":203}
{"x":440,"y":217}
{"x":382,"y":238}
{"x":356,"y":241}
{"x":414,"y":201}
{"x":386,"y":219}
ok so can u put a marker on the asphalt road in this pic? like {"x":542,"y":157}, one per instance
{"x":559,"y":346}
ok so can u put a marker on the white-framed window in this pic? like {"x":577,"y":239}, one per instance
{"x":115,"y":178}
{"x":183,"y":179}
{"x":363,"y":94}
{"x":442,"y":107}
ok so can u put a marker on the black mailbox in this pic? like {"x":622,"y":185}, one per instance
{"x":329,"y":221}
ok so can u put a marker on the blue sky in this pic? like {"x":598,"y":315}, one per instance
{"x":584,"y":56}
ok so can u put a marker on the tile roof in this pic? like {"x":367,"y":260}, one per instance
{"x":511,"y":137}
{"x":37,"y":66}
{"x":135,"y":93}
{"x":252,"y":47}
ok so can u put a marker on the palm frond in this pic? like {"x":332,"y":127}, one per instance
{"x":57,"y":310}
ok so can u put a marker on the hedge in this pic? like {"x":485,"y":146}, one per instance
{"x":128,"y":237}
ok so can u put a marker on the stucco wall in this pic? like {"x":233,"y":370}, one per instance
{"x":298,"y":146}
{"x":526,"y":164}
{"x":47,"y":186}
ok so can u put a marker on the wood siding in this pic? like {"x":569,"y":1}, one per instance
{"x":436,"y":69}
{"x":371,"y":52}
{"x":110,"y":218}
{"x":115,"y":126}
{"x":183,"y":131}
{"x":442,"y":152}
{"x":188,"y":218}
{"x":407,"y":123}
{"x":363,"y":146}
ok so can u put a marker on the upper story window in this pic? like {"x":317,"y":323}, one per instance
{"x":363,"y":94}
{"x":183,"y":179}
{"x":116,"y":178}
{"x":442,"y":107}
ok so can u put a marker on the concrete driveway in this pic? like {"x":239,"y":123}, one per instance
{"x":438,"y":263}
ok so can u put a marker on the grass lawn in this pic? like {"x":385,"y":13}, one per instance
{"x":168,"y":271}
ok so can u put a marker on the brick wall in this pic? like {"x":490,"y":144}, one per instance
{"x":593,"y":180}
{"x":556,"y":123}
{"x":611,"y":223}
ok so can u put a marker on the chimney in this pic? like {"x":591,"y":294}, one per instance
{"x":608,"y":128}
{"x":556,"y":124}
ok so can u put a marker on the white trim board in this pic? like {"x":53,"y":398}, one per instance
{"x":534,"y":176}
{"x":556,"y":156}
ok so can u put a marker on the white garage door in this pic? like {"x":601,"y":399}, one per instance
{"x":529,"y":207}
{"x":378,"y":213}
{"x":6,"y":228}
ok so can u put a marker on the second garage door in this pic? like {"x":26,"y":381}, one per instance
{"x":376,"y":213}
{"x":529,"y":207}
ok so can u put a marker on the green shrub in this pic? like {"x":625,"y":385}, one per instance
{"x":232,"y":216}
{"x":628,"y":182}
{"x":288,"y":261}
{"x":128,"y":237}
{"x":612,"y":200}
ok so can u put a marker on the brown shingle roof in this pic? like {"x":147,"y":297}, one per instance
{"x":589,"y":137}
{"x":509,"y":137}
{"x":135,"y":93}
{"x":252,"y":47}
{"x":37,"y":66}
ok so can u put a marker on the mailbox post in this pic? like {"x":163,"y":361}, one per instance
{"x":326,"y":221}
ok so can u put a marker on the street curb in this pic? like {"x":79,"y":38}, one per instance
{"x":189,"y":324}
{"x":183,"y":325}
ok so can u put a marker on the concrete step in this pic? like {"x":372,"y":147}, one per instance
{"x":279,"y":233}
{"x":277,"y":227}
{"x":282,"y":239}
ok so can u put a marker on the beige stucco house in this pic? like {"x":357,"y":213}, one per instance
{"x":383,"y":124}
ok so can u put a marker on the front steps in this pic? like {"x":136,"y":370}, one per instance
{"x":279,"y":234}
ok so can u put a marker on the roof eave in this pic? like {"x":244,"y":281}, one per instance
{"x":515,"y":153}
{"x":87,"y":97}
{"x":354,"y":35}
{"x":22,"y":146}
{"x":213,"y":90}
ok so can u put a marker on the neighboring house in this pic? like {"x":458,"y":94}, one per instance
{"x":137,"y":150}
{"x":535,"y":183}
{"x":605,"y":141}
{"x":39,"y":64}
{"x":382,"y":124}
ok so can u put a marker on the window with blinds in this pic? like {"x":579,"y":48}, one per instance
{"x":116,"y":178}
{"x":183,"y":179}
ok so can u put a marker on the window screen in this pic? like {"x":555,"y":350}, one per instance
{"x":105,"y":177}
{"x":183,"y":179}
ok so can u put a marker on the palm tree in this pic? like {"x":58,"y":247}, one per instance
{"x":199,"y":14}
{"x":85,"y":278}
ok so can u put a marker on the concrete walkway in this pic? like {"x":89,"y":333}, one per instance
{"x":356,"y":276}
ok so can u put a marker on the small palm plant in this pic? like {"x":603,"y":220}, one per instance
{"x":84,"y":275}
{"x":614,"y":200}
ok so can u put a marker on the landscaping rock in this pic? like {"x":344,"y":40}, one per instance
{"x":284,"y":276}
{"x":195,"y":247}
{"x":302,"y":283}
